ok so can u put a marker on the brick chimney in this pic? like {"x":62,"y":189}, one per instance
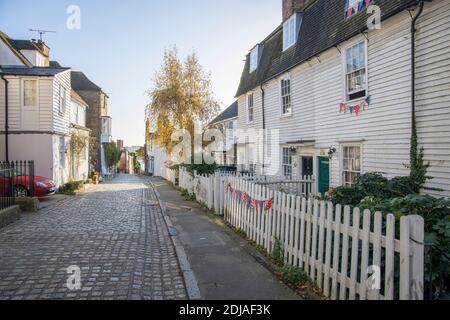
{"x":44,"y":49}
{"x":290,"y":7}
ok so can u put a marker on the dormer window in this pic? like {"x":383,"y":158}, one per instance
{"x":254,"y":57}
{"x":353,"y":7}
{"x":290,"y":31}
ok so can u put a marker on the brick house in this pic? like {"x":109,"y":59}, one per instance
{"x":97,"y":117}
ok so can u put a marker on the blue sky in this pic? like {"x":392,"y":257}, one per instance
{"x":121,"y":43}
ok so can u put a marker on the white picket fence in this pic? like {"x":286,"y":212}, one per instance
{"x":200,"y":185}
{"x":170,"y":175}
{"x":336,"y":247}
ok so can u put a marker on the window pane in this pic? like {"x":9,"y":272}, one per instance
{"x":30,"y":93}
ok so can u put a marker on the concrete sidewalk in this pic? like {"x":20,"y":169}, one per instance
{"x":223,"y":268}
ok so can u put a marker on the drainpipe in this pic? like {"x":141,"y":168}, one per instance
{"x":413,"y":64}
{"x":263,"y":94}
{"x":6,"y":119}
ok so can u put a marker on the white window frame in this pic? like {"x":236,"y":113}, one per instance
{"x":346,"y":73}
{"x":342,"y":158}
{"x":254,"y":59}
{"x":290,"y":32}
{"x":252,"y":108}
{"x":286,"y":114}
{"x":37,"y":92}
{"x":285,"y":165}
{"x":62,"y":99}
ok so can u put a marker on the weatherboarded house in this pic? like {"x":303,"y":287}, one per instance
{"x":341,"y":94}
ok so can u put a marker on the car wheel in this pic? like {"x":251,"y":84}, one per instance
{"x":20,"y":191}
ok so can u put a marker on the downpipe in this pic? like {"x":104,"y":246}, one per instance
{"x":6,"y":118}
{"x":413,"y":64}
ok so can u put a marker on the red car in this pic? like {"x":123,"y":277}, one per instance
{"x":42,"y":186}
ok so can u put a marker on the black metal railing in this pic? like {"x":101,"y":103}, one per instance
{"x":16,"y":180}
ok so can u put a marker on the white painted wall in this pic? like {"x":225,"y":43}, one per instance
{"x":61,"y":120}
{"x":77,"y":113}
{"x":79,"y":164}
{"x":7,"y":57}
{"x":37,"y":147}
{"x":61,"y":159}
{"x":433,"y":92}
{"x":41,"y":118}
{"x":160,"y":158}
{"x":34,"y":57}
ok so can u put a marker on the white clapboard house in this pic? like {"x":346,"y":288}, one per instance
{"x":227,"y":124}
{"x":36,"y":96}
{"x":340,"y":97}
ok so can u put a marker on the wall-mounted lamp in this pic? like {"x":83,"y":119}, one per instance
{"x":293,"y":150}
{"x":332,"y":152}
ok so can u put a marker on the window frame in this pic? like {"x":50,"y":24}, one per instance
{"x":282,"y":113}
{"x":346,"y":73}
{"x":285,"y":165}
{"x":62,"y":99}
{"x":36,"y":81}
{"x":292,"y":21}
{"x":343,"y":170}
{"x":252,"y":96}
{"x":254,"y":59}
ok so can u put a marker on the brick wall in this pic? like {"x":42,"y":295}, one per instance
{"x":291,"y":6}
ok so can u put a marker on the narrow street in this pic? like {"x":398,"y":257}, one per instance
{"x":117,"y":236}
{"x":221,"y":260}
{"x":114,"y":233}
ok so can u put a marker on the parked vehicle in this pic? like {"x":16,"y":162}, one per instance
{"x":21,"y":183}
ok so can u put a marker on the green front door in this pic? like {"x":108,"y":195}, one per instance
{"x":324,"y":175}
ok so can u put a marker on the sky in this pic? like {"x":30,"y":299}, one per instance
{"x":120,"y":44}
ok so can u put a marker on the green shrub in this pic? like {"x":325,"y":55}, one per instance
{"x":295,"y":276}
{"x":71,"y":187}
{"x":205,"y":167}
{"x":436,"y":213}
{"x":112,"y":153}
{"x":278,"y":253}
{"x":372,"y":185}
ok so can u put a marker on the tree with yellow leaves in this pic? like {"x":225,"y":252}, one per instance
{"x":181,"y":97}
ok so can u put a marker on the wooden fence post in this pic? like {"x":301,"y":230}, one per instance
{"x":416,"y":233}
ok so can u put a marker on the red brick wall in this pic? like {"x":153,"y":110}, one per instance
{"x":291,"y":6}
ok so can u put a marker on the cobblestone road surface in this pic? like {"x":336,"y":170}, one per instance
{"x":114,"y":233}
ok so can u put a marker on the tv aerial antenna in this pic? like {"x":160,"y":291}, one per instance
{"x":42,"y":32}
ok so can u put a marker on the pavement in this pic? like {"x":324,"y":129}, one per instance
{"x":222,"y":265}
{"x":115,"y":235}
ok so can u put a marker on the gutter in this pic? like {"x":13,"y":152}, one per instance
{"x":413,"y":65}
{"x":6,"y":118}
{"x":263,"y":94}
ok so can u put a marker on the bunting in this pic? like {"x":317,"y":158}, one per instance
{"x":245,"y":198}
{"x":356,"y":109}
{"x":353,"y":7}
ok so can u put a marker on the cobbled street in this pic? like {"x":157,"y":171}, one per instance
{"x":115,"y":233}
